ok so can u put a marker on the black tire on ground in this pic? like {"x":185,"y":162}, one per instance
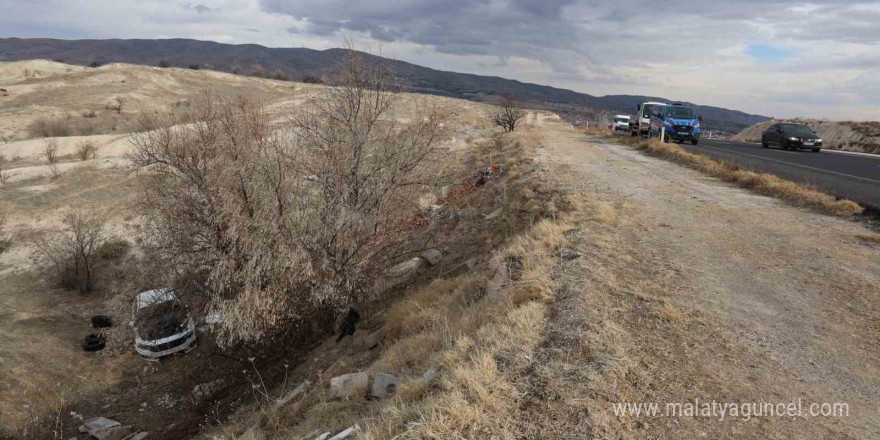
{"x":816,"y":150}
{"x":764,"y":143}
{"x":94,"y":342}
{"x":695,"y":141}
{"x":101,"y":321}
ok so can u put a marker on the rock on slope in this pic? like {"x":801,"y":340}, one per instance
{"x":862,"y":137}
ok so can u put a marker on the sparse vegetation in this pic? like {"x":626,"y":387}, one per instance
{"x":88,"y":114}
{"x":114,"y":104}
{"x":258,"y":71}
{"x":312,"y":79}
{"x":94,"y":64}
{"x":236,"y":69}
{"x":281,"y":75}
{"x":289,"y":226}
{"x":71,"y":254}
{"x":86,"y":150}
{"x":163,"y":63}
{"x":767,"y":184}
{"x":5,"y":236}
{"x":50,"y":128}
{"x":193,"y":67}
{"x":508,"y":113}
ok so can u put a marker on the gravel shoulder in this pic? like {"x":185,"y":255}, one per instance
{"x":700,"y":290}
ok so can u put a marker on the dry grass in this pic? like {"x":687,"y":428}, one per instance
{"x":767,"y":184}
{"x":872,"y":237}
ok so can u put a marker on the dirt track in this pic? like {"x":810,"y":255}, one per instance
{"x":702,"y":290}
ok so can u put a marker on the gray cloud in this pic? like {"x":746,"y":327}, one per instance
{"x":685,"y":50}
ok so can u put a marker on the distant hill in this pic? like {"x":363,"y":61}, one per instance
{"x":862,"y":137}
{"x":300,"y":62}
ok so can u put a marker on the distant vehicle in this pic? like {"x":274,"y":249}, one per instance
{"x":640,"y":123}
{"x":681,"y":123}
{"x":621,"y":124}
{"x":791,"y":136}
{"x":162,"y":324}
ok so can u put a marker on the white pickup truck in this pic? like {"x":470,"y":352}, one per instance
{"x":621,"y":124}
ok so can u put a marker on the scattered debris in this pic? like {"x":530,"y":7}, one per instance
{"x":94,"y":342}
{"x":101,"y":321}
{"x":281,"y":401}
{"x":98,"y":424}
{"x":493,"y":289}
{"x":349,"y":384}
{"x":432,"y":256}
{"x":373,"y":339}
{"x":494,"y":213}
{"x":384,"y":385}
{"x":349,"y":324}
{"x":571,"y":232}
{"x":568,"y":254}
{"x":430,"y":373}
{"x":112,"y":433}
{"x":346,"y":433}
{"x":324,"y":436}
{"x":312,"y":434}
{"x":138,"y":436}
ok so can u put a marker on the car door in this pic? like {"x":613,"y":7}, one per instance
{"x":774,"y":134}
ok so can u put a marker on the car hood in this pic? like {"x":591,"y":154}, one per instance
{"x":685,"y":122}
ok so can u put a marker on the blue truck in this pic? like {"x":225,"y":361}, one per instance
{"x":680,"y":121}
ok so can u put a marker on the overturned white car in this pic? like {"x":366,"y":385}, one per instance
{"x":162,"y":324}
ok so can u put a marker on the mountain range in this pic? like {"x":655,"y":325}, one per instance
{"x":298,"y":63}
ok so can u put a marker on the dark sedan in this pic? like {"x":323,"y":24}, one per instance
{"x":790,"y":136}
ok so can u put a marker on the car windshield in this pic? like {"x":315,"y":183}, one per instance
{"x":621,"y":120}
{"x":796,"y":129}
{"x":680,"y":112}
{"x":161,"y":320}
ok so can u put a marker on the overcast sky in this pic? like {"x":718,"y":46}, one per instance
{"x":778,"y":58}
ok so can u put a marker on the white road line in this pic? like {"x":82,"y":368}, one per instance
{"x":805,"y":166}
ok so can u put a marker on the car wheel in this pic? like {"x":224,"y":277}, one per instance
{"x":695,"y":141}
{"x":816,"y":150}
{"x":94,"y":342}
{"x":764,"y":143}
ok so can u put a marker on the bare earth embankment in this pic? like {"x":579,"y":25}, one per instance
{"x":695,"y":291}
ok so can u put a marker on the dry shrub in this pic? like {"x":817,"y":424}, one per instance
{"x":71,"y":254}
{"x":872,"y":237}
{"x":86,"y":150}
{"x":258,"y":71}
{"x":507,"y":114}
{"x":50,"y":128}
{"x":113,"y":249}
{"x":766,"y":184}
{"x":88,"y":114}
{"x":290,"y":221}
{"x":5,"y":174}
{"x":5,"y":236}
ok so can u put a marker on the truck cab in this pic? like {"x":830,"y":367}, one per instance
{"x":679,"y":121}
{"x":640,"y":123}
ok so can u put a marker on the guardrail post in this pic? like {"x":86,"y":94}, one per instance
{"x":662,"y":134}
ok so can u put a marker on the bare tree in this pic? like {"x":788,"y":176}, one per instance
{"x":508,"y":113}
{"x":50,"y":153}
{"x":235,"y":69}
{"x":86,"y":150}
{"x":71,"y":254}
{"x":289,"y":221}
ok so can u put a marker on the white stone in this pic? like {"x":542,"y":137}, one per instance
{"x":373,"y":339}
{"x":432,"y":256}
{"x":430,"y":373}
{"x":384,"y":385}
{"x":348,"y":385}
{"x":347,"y":433}
{"x":284,"y":400}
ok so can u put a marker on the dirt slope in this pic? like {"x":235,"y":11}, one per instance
{"x":698,"y":290}
{"x":862,"y":137}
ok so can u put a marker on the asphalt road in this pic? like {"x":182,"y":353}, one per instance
{"x":852,"y":176}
